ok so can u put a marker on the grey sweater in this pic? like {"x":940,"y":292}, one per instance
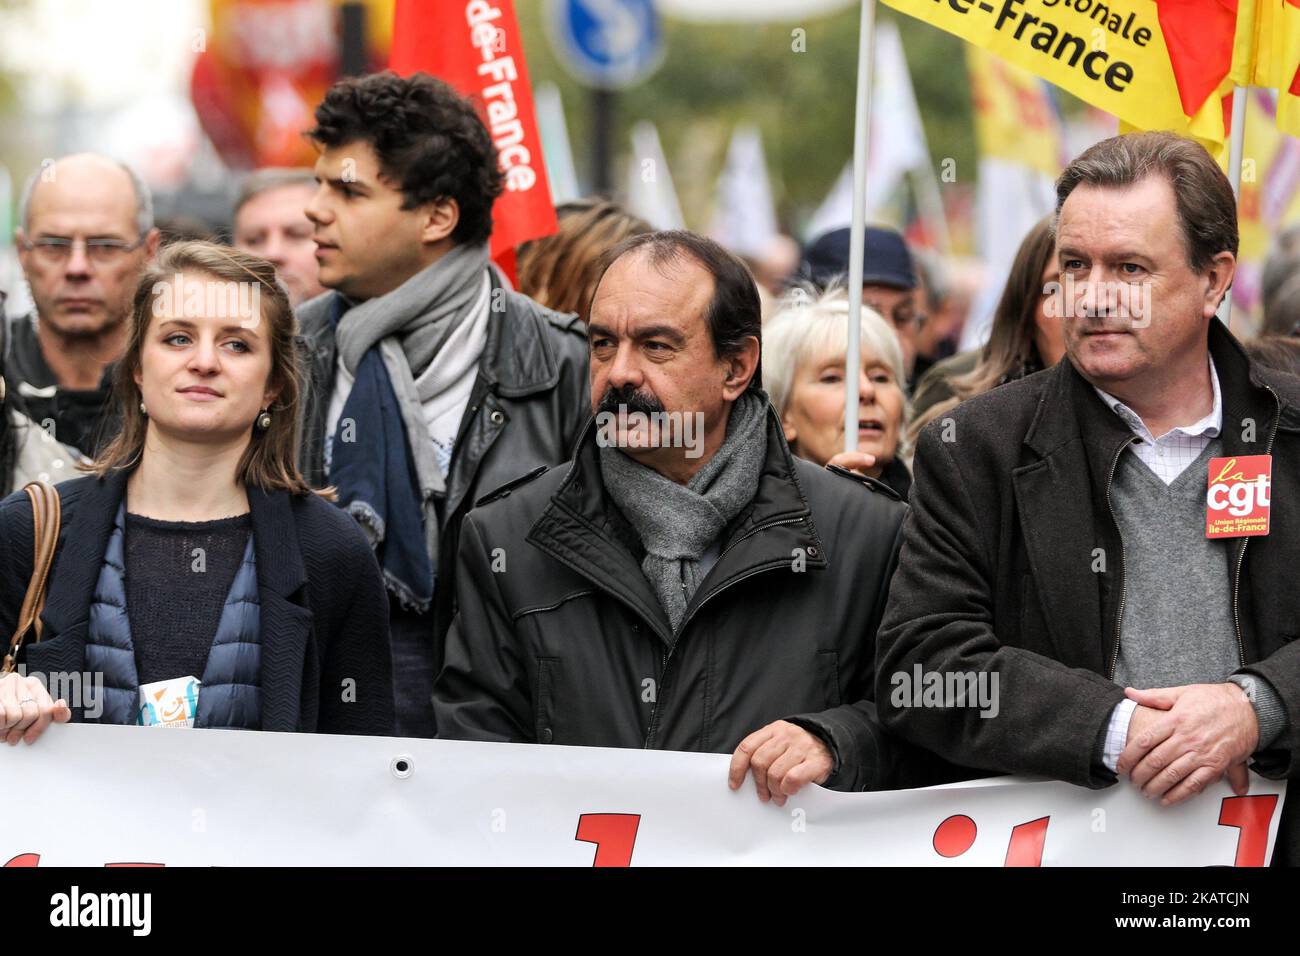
{"x":1177,"y":625}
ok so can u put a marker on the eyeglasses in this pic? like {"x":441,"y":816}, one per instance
{"x":54,"y":250}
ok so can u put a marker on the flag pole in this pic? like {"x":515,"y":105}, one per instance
{"x":1236,"y":147}
{"x":857,"y":229}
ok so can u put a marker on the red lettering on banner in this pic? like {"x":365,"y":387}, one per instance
{"x":1252,"y":815}
{"x":1026,"y":846}
{"x":954,"y":836}
{"x":34,"y":859}
{"x":614,"y":835}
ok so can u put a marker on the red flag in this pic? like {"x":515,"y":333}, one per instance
{"x":475,"y":46}
{"x":1199,"y":35}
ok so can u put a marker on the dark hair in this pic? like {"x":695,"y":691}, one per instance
{"x":1207,"y":210}
{"x":560,"y":270}
{"x":428,"y":139}
{"x":734,"y":314}
{"x":1012,"y":349}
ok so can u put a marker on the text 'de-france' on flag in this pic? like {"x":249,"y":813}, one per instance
{"x":475,"y":46}
{"x":1153,"y":63}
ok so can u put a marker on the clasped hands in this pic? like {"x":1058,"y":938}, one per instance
{"x":1183,"y":739}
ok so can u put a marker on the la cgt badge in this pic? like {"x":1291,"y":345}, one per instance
{"x":1237,"y":502}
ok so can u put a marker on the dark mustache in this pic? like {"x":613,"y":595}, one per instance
{"x":628,"y":397}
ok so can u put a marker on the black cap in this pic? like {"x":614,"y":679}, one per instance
{"x":885,"y":259}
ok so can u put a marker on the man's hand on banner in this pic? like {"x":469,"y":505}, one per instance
{"x":783,"y":757}
{"x":26,"y":708}
{"x":1182,"y":739}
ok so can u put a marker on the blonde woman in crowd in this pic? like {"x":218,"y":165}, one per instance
{"x":804,"y":348}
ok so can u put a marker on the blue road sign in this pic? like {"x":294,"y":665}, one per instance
{"x":607,"y":43}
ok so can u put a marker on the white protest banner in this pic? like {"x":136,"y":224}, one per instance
{"x":90,"y":795}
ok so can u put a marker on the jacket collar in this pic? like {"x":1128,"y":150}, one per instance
{"x":1061,"y":493}
{"x":286,"y":621}
{"x":579,"y":529}
{"x":80,"y":553}
{"x":1072,"y":410}
{"x":280,"y":567}
{"x":517,"y":360}
{"x":84,"y":539}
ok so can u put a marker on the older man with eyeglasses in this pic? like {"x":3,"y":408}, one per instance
{"x":85,"y":233}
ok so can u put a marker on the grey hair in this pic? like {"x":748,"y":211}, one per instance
{"x":143,"y":197}
{"x":271,"y":177}
{"x":808,"y":326}
{"x":1207,"y":209}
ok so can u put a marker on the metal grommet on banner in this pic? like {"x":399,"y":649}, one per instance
{"x":402,"y":766}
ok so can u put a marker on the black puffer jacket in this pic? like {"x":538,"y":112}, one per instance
{"x":560,"y":638}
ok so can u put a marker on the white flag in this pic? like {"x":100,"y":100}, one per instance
{"x":650,"y":192}
{"x":744,"y":218}
{"x":554,"y":131}
{"x":1009,"y":201}
{"x":897,"y":141}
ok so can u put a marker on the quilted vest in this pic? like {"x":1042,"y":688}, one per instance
{"x":231,"y":695}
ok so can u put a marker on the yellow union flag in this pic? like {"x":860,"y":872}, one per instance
{"x":1014,"y":118}
{"x":1277,"y":57}
{"x":1112,"y":55}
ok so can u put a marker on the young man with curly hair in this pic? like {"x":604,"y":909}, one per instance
{"x":430,"y":383}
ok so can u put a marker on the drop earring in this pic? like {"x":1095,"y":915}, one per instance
{"x":143,"y":411}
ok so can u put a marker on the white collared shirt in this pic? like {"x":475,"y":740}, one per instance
{"x":1169,"y":455}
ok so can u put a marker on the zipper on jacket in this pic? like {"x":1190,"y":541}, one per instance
{"x":1123,"y":584}
{"x":1241,"y":555}
{"x":652,"y":726}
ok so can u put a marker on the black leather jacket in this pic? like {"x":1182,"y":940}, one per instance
{"x":567,"y":643}
{"x":527,"y":408}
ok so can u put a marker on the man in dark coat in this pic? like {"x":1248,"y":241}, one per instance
{"x":1057,"y":545}
{"x":685,"y":583}
{"x":429,"y":383}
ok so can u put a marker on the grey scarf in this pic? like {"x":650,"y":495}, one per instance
{"x":410,"y":324}
{"x":677,"y":523}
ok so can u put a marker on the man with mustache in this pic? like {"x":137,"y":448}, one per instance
{"x":1060,"y":537}
{"x":645,"y":596}
{"x":86,"y":232}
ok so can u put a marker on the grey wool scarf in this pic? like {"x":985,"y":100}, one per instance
{"x":677,"y":523}
{"x":409,"y":325}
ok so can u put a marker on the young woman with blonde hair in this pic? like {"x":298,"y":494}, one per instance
{"x":196,"y":549}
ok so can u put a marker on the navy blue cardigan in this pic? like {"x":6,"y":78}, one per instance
{"x":323,"y":605}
